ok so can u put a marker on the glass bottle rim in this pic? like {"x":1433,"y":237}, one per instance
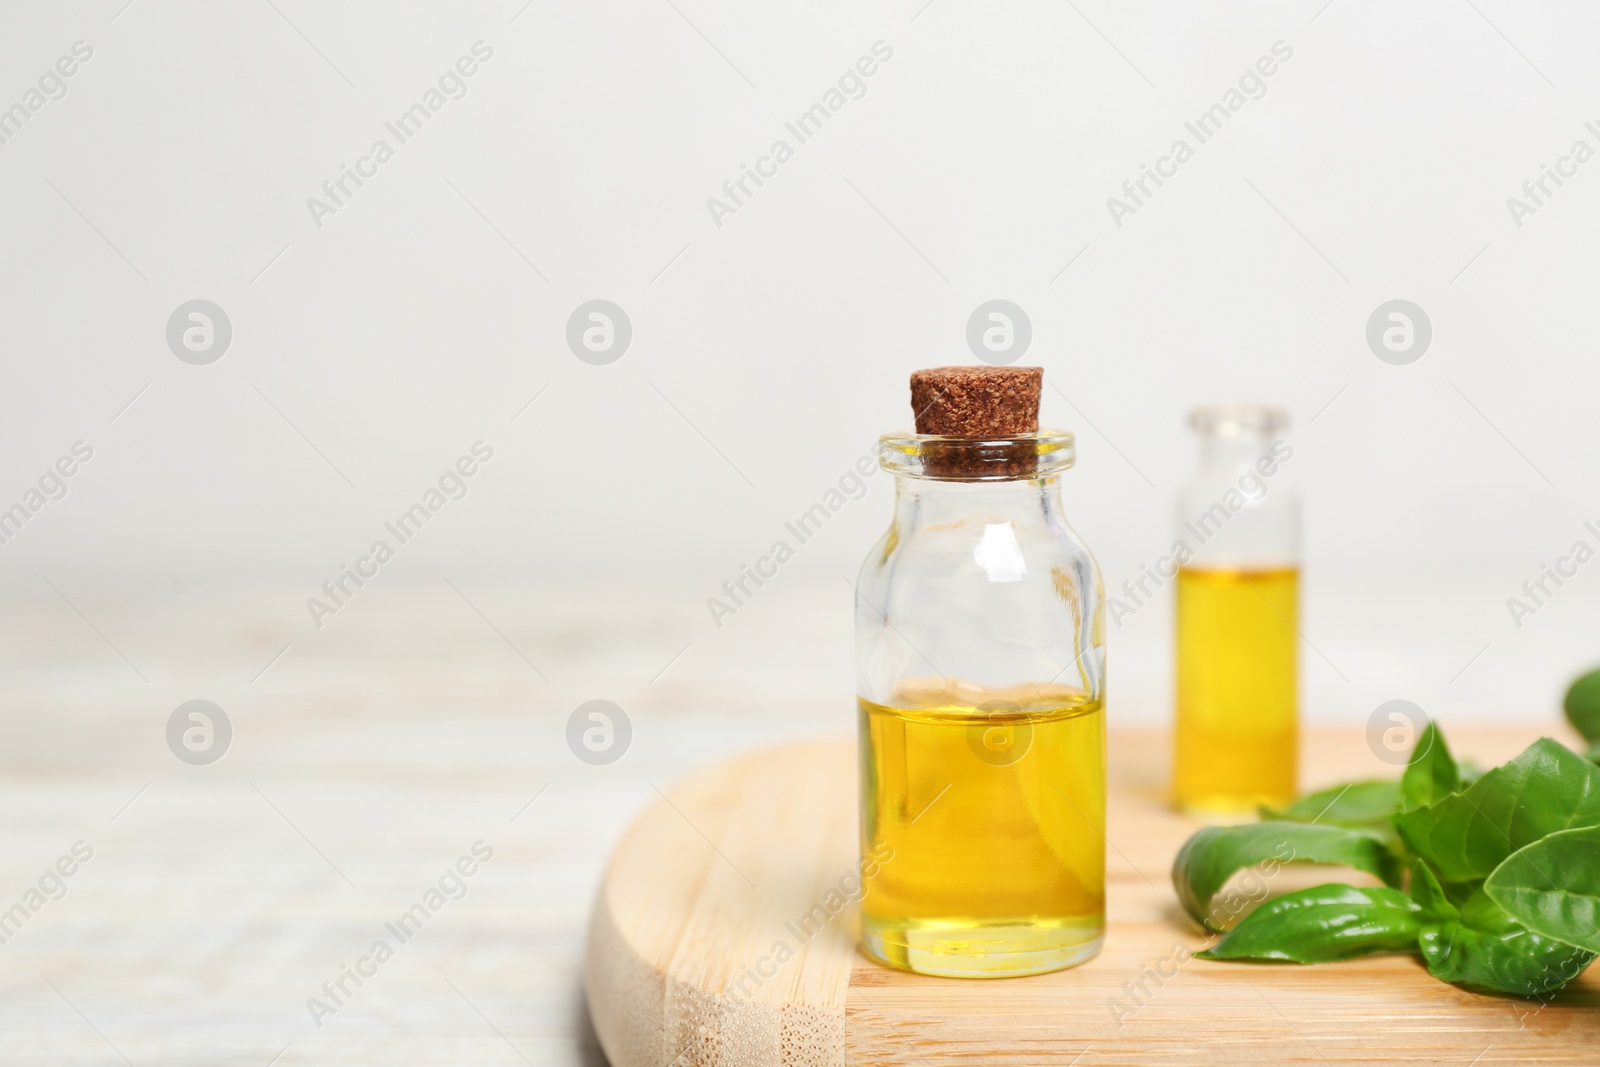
{"x":968,"y":459}
{"x":1238,"y":420}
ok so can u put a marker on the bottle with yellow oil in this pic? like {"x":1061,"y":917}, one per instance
{"x":981,"y":671}
{"x":1237,"y":735}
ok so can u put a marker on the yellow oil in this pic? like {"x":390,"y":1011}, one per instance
{"x":1238,"y":723}
{"x":993,"y":804}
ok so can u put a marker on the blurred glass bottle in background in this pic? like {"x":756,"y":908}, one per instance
{"x":1237,"y":736}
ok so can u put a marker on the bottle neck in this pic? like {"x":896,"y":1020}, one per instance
{"x":1023,"y":502}
{"x":1233,"y":453}
{"x":1239,"y":509}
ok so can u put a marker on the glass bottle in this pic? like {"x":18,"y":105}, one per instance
{"x":980,"y":663}
{"x":1237,"y":736}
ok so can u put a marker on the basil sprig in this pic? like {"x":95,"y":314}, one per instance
{"x":1503,"y":886}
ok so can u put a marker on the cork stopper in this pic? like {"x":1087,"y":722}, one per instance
{"x":977,"y":402}
{"x":978,"y":409}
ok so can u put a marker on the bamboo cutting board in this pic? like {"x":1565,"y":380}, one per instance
{"x":697,"y":956}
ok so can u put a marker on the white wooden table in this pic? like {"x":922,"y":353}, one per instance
{"x":369,"y":757}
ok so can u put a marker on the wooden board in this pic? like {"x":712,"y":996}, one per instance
{"x":688,"y":960}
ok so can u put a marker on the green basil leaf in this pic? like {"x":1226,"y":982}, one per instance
{"x":1355,"y":804}
{"x":1522,"y":963}
{"x":1582,"y":705}
{"x":1323,"y":923}
{"x":1430,"y":895}
{"x":1431,"y":774}
{"x":1488,"y":949}
{"x":1212,"y":856}
{"x":1552,"y":887}
{"x":1464,"y":836}
{"x":1593,"y":755}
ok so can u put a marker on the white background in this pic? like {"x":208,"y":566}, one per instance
{"x":977,"y":165}
{"x":767,"y":354}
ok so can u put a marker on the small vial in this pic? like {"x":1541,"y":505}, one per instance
{"x":981,"y":672}
{"x":1238,"y":589}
